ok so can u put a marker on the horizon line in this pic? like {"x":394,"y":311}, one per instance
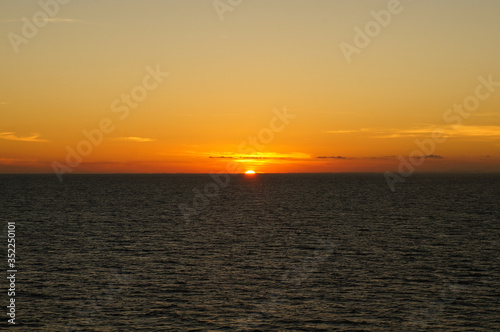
{"x":262,"y":173}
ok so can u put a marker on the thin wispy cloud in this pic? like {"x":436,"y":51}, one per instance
{"x":343,"y":131}
{"x":486,"y":132}
{"x":135,"y":139}
{"x":332,"y":157}
{"x":385,"y":132}
{"x":261,"y":155}
{"x":302,"y":156}
{"x":432,"y":156}
{"x":397,"y":133}
{"x":10,"y":136}
{"x":477,"y":132}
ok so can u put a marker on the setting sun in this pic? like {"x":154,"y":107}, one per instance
{"x":249,"y":172}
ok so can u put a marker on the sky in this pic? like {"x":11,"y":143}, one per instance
{"x":199,"y":86}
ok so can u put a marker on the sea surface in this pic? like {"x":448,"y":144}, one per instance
{"x":270,"y":252}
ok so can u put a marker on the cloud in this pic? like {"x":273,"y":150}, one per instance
{"x":222,"y":157}
{"x":135,"y":139}
{"x":486,"y":132}
{"x":385,"y":132}
{"x":379,"y":158}
{"x":304,"y":156}
{"x":456,"y":131}
{"x":331,"y":157}
{"x":248,"y":157}
{"x":432,"y":156}
{"x":354,"y":158}
{"x":260,"y":156}
{"x":10,"y":136}
{"x":395,"y":133}
{"x":344,"y":131}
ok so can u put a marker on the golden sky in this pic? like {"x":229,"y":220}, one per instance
{"x":176,"y":86}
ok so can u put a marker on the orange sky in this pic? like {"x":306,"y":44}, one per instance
{"x":176,"y":86}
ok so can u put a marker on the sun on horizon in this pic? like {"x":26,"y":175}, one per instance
{"x":250,"y":172}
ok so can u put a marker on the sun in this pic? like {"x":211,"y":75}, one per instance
{"x":249,"y":172}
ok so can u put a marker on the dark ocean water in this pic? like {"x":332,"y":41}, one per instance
{"x":270,"y":252}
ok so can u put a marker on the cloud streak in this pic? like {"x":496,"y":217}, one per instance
{"x":332,"y":157}
{"x":346,"y":131}
{"x":135,"y":139}
{"x":262,"y":156}
{"x":432,"y":156}
{"x":10,"y":136}
{"x":457,"y":131}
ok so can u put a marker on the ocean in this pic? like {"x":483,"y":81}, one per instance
{"x":269,"y":252}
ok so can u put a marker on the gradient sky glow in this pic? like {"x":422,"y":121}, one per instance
{"x":227,"y":76}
